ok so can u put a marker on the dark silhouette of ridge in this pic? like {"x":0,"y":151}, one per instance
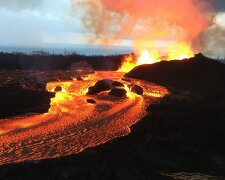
{"x":197,"y":74}
{"x":47,"y":62}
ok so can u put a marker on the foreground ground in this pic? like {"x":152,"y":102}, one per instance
{"x":76,"y":119}
{"x":176,"y":136}
{"x":180,"y":138}
{"x":22,"y":92}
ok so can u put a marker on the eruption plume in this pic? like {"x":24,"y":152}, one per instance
{"x":165,"y":28}
{"x":214,"y":38}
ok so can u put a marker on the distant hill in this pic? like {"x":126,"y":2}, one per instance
{"x":45,"y":62}
{"x":222,"y":61}
{"x":198,"y":74}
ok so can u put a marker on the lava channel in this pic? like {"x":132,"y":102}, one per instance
{"x":72,"y":124}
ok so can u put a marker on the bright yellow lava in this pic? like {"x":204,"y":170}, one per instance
{"x":177,"y":51}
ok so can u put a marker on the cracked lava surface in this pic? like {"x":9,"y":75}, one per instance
{"x":72,"y":124}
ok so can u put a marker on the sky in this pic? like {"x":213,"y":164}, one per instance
{"x":38,"y":23}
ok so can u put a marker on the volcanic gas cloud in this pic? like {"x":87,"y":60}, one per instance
{"x":158,"y":29}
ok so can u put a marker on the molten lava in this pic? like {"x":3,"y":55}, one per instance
{"x":177,"y":51}
{"x":72,"y":124}
{"x":128,"y":63}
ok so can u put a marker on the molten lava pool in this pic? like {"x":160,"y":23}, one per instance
{"x":72,"y":124}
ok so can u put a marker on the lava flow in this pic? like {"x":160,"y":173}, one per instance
{"x":72,"y":124}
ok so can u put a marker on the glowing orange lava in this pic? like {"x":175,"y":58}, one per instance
{"x":176,"y":51}
{"x":72,"y":124}
{"x":128,"y":63}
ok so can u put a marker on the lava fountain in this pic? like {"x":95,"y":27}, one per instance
{"x":178,"y":52}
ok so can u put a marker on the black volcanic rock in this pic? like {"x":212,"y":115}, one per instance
{"x":79,"y":78}
{"x":91,"y":101}
{"x":117,"y":92}
{"x":24,"y":92}
{"x":137,"y":89}
{"x":58,"y":89}
{"x":17,"y":100}
{"x":102,"y":85}
{"x":117,"y":84}
{"x":198,"y":74}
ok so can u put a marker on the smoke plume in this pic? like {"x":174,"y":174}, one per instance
{"x":214,"y":41}
{"x":147,"y":22}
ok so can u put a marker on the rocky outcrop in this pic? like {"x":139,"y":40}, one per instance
{"x":91,"y":101}
{"x":118,"y":92}
{"x":79,"y":78}
{"x":137,"y":90}
{"x":58,"y":89}
{"x":18,"y":100}
{"x":199,"y":74}
{"x":103,"y":85}
{"x":117,"y":84}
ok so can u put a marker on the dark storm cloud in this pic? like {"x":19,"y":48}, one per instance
{"x":220,"y":5}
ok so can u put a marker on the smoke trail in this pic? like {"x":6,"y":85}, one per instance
{"x":147,"y":22}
